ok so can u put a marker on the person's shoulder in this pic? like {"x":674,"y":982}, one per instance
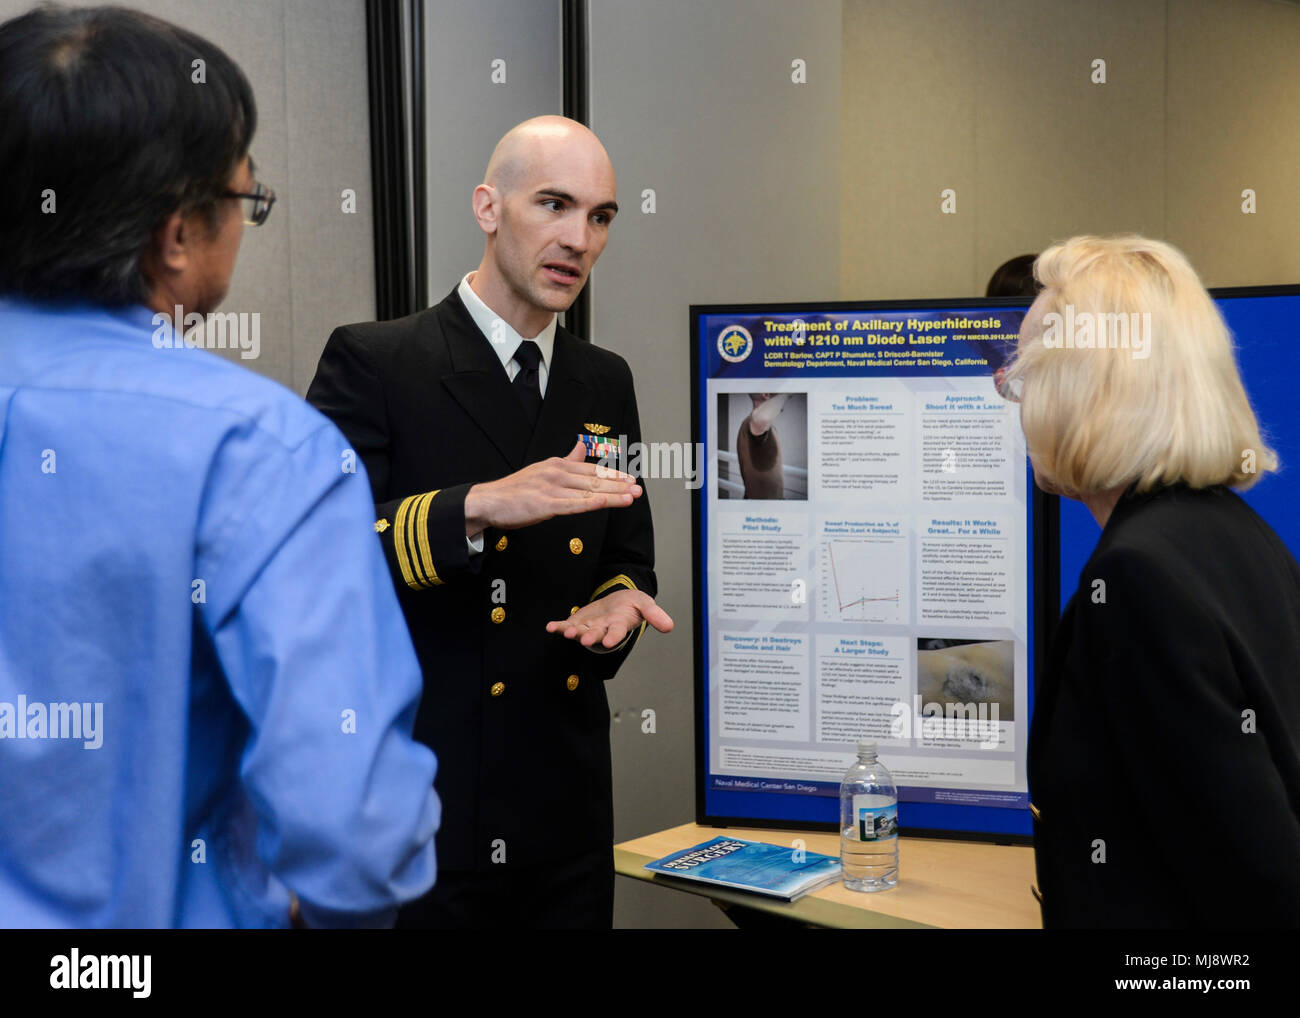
{"x":386,"y":336}
{"x":222,"y":387}
{"x":1186,"y":542}
{"x":602,"y":362}
{"x":123,"y":370}
{"x":1175,"y":519}
{"x":388,"y":341}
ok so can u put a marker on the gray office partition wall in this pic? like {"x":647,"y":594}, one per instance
{"x":488,"y":65}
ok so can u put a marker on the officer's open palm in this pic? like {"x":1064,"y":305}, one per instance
{"x":610,"y":619}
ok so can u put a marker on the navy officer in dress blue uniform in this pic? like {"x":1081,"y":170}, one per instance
{"x":524,"y":563}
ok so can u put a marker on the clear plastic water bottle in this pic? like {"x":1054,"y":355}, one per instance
{"x":868,"y":824}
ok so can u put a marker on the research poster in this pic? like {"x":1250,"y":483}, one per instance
{"x":865,"y":552}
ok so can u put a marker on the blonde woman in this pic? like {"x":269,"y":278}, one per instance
{"x":1164,"y":754}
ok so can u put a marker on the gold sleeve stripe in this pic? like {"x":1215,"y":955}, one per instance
{"x":422,"y":533}
{"x":620,"y":580}
{"x":634,"y":635}
{"x":399,"y":543}
{"x":413,"y":542}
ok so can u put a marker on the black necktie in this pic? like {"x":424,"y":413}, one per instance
{"x":527,"y":382}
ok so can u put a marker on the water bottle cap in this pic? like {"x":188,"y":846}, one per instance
{"x":867,"y":747}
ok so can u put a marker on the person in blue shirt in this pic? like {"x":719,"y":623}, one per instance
{"x":207,"y":689}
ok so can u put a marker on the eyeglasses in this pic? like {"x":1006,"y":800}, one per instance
{"x":257,"y":206}
{"x":1008,"y":390}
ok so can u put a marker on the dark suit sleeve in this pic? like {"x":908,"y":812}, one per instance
{"x":422,"y":533}
{"x":1172,"y":696}
{"x":627,"y":553}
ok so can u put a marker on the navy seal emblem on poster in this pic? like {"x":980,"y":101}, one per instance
{"x":735,"y":343}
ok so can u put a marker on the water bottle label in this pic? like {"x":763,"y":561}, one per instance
{"x":876,"y":823}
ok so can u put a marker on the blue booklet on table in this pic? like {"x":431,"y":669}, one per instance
{"x":773,"y":870}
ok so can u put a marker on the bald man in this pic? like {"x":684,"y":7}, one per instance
{"x":525,"y":567}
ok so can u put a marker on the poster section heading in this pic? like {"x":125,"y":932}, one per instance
{"x":841,"y":343}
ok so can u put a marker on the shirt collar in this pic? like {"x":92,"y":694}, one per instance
{"x":491,"y":324}
{"x":135,"y":315}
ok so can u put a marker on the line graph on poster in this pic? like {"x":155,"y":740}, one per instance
{"x":862,"y":580}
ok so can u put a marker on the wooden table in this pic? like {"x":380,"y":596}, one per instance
{"x":942,"y":883}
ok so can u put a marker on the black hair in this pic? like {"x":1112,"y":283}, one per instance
{"x":101,"y":106}
{"x":1014,"y":278}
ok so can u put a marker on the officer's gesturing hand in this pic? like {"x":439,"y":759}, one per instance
{"x":609,"y":619}
{"x":557,"y":486}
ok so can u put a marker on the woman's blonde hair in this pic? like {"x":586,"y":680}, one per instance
{"x":1130,"y":374}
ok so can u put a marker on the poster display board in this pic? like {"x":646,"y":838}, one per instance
{"x":865,"y":556}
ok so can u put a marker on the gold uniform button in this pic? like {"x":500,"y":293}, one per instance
{"x":571,"y":682}
{"x":501,"y":544}
{"x":498,"y":614}
{"x":575,"y":546}
{"x":498,"y":688}
{"x":573,"y":610}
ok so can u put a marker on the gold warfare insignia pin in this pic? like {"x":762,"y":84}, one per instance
{"x":597,"y":429}
{"x":381,"y":526}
